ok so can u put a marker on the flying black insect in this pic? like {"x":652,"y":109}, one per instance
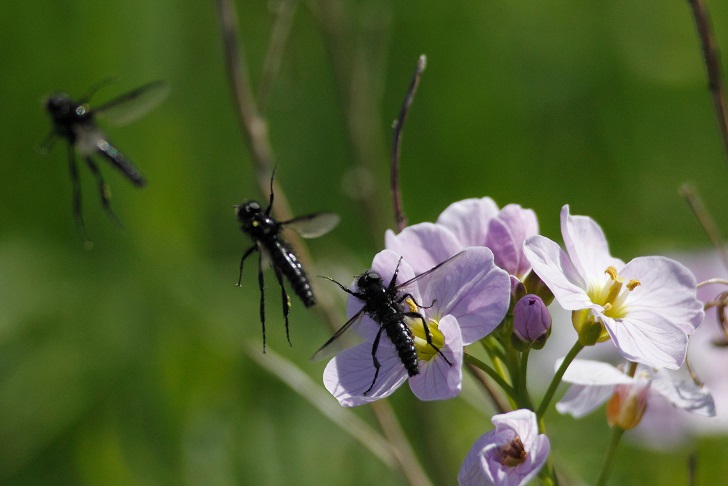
{"x":75,"y":122}
{"x":385,"y":305}
{"x":265,"y":232}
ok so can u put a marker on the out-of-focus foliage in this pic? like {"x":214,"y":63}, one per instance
{"x":126,"y":364}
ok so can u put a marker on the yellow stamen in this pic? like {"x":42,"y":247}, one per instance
{"x":612,"y":272}
{"x":632,"y":284}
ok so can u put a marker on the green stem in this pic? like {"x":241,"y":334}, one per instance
{"x":609,"y":459}
{"x":492,"y":373}
{"x":522,"y":380}
{"x":557,"y":378}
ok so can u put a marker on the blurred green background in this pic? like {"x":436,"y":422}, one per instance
{"x":131,"y":363}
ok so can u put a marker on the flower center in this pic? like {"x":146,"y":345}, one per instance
{"x":512,"y":453}
{"x":613,"y":294}
{"x":425,"y":351}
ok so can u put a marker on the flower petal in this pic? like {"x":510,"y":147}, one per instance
{"x":472,"y":289}
{"x":667,"y":288}
{"x":439,"y":380}
{"x":423,"y":245}
{"x":655,"y":342}
{"x":684,"y":394}
{"x":351,"y":372}
{"x":472,"y":470}
{"x":580,"y":400}
{"x":586,"y":245}
{"x":553,"y":266}
{"x":593,"y":373}
{"x":520,"y":224}
{"x":468,"y":220}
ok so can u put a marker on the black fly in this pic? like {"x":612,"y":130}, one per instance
{"x":265,"y":232}
{"x":385,"y":305}
{"x":75,"y":122}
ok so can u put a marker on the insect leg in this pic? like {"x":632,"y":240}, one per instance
{"x":393,"y":282}
{"x":428,"y":334}
{"x":377,"y":365}
{"x":245,"y":255}
{"x":270,"y":199}
{"x":345,"y":289}
{"x":77,"y":212}
{"x":286,"y":300}
{"x":261,"y":285}
{"x":410,"y":296}
{"x":103,"y":191}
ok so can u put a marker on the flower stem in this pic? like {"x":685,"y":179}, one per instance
{"x":608,"y":460}
{"x":557,"y":378}
{"x":492,"y":373}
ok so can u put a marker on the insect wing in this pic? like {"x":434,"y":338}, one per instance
{"x":425,"y":275}
{"x":134,"y":104}
{"x":342,"y":339}
{"x":118,"y":160}
{"x":313,"y":225}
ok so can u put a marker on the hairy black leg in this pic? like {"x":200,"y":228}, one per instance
{"x":261,"y":285}
{"x":377,"y":365}
{"x":270,"y":199}
{"x":393,"y":282}
{"x":428,"y":334}
{"x":358,"y":295}
{"x":77,"y":211}
{"x":103,"y":191}
{"x":286,"y":300}
{"x":404,"y":297}
{"x":242,"y":260}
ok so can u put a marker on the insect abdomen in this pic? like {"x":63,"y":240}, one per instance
{"x":401,"y":337}
{"x":287,"y":261}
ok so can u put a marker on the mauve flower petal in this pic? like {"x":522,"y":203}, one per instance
{"x":667,"y":288}
{"x":424,"y":245}
{"x":581,"y":400}
{"x":656,"y":342}
{"x":522,"y":423}
{"x":553,"y":266}
{"x":506,"y":250}
{"x":522,"y":224}
{"x":468,"y":220}
{"x":472,"y":470}
{"x":472,"y":289}
{"x":350,"y":373}
{"x":437,"y":379}
{"x":684,"y":394}
{"x":482,"y":464}
{"x":586,"y":245}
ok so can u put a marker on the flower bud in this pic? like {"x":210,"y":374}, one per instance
{"x":628,"y":404}
{"x":518,"y":291}
{"x":536,"y":286}
{"x":531,"y":321}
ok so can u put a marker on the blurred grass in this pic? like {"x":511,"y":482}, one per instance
{"x":126,"y":364}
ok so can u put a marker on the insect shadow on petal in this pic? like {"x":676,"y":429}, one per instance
{"x":274,"y":250}
{"x":75,"y":122}
{"x":386,"y":305}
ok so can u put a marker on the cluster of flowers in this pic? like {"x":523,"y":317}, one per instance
{"x":497,"y":293}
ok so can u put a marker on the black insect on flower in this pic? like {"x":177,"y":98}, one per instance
{"x":275,"y":251}
{"x":75,"y":121}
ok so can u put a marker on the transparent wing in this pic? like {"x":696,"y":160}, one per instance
{"x":313,"y":225}
{"x":134,"y":104}
{"x":429,"y":272}
{"x":341,"y":340}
